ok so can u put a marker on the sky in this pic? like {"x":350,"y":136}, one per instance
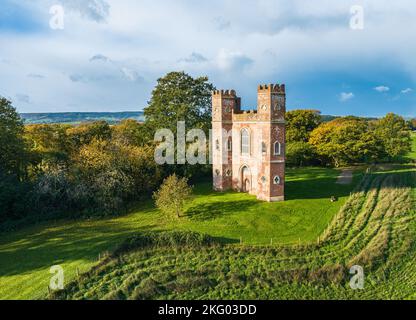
{"x":340,"y":57}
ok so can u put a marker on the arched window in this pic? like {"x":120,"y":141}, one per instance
{"x":245,"y":142}
{"x":276,"y":180}
{"x":230,"y":144}
{"x":277,"y":149}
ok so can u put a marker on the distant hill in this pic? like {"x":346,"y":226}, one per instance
{"x":80,"y":117}
{"x":328,"y":118}
{"x":110,"y":117}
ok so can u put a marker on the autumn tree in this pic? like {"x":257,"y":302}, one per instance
{"x":85,"y":133}
{"x":129,"y":132}
{"x":172,"y":195}
{"x":344,"y":141}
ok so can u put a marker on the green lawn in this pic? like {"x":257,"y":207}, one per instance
{"x":375,"y":229}
{"x":27,"y":255}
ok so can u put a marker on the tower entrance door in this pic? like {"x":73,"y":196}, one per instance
{"x":245,"y":179}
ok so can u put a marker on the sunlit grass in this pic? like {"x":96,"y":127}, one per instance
{"x":27,"y":255}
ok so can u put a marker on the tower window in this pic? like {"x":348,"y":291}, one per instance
{"x":277,"y":149}
{"x":263,"y":180}
{"x":228,"y":173}
{"x":217,"y":144}
{"x":276,"y":180}
{"x":263,"y":148}
{"x":245,"y":142}
{"x":230,"y":144}
{"x":217,"y":172}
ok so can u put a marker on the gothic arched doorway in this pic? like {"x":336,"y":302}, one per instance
{"x":245,"y":179}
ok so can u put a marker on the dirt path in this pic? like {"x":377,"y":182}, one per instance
{"x":345,"y":177}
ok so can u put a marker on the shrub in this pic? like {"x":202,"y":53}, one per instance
{"x":171,"y":196}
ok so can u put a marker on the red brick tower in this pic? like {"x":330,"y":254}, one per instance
{"x":252,"y":158}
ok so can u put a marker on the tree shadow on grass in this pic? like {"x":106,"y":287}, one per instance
{"x":62,"y":244}
{"x":213,"y":210}
{"x":318,"y":188}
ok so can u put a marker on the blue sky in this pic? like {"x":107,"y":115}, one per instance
{"x":111,"y":52}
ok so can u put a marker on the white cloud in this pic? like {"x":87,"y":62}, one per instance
{"x":345,"y":96}
{"x":36,"y":76}
{"x":96,"y":10}
{"x":382,"y":89}
{"x":227,"y":60}
{"x":194,"y":58}
{"x":407,"y":90}
{"x":268,"y":40}
{"x":99,"y":57}
{"x":23,"y":98}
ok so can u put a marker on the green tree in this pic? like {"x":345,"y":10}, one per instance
{"x":300,"y":124}
{"x":172,"y":195}
{"x":179,"y":97}
{"x":394,"y":134}
{"x":300,"y":153}
{"x":13,"y":155}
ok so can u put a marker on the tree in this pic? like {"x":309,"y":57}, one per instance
{"x":394,"y":134}
{"x":300,"y":154}
{"x":179,"y":97}
{"x":47,"y":142}
{"x":300,"y":124}
{"x":129,"y":132}
{"x":172,"y":195}
{"x":85,"y":133}
{"x":13,"y":154}
{"x":344,"y":141}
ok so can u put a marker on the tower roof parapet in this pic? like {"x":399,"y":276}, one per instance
{"x":273,"y":88}
{"x":225,"y":93}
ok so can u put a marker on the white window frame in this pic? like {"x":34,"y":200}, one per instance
{"x":277,"y":143}
{"x":276,"y":178}
{"x":245,"y":147}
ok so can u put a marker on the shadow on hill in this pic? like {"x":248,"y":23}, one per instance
{"x":213,"y":210}
{"x":318,"y":188}
{"x":62,"y":244}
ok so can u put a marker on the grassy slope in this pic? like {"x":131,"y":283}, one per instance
{"x":26,"y":255}
{"x":375,"y":229}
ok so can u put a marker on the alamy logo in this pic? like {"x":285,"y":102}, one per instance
{"x":357,"y":17}
{"x":57,"y":21}
{"x":57,"y":280}
{"x":357,"y":280}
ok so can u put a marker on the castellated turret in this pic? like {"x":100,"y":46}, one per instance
{"x":248,"y":150}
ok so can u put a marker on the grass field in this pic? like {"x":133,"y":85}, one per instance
{"x":375,"y":229}
{"x":27,"y":255}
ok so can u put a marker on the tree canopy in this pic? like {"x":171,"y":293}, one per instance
{"x":179,"y":97}
{"x":300,"y":124}
{"x":12,"y":146}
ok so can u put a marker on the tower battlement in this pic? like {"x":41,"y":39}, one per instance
{"x":273,"y":88}
{"x":225,"y":93}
